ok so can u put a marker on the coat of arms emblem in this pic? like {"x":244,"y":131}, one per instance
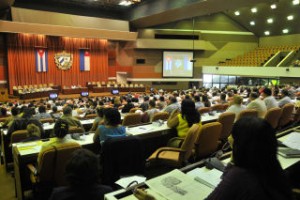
{"x":63,"y":60}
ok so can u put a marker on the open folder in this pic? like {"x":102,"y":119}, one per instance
{"x":289,"y":152}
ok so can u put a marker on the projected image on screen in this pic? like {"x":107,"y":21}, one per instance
{"x":177,"y":64}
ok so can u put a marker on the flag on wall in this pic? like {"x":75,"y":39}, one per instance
{"x":41,"y":60}
{"x":84,"y":60}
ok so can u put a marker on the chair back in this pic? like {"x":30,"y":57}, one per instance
{"x":207,"y":139}
{"x":217,"y":108}
{"x":75,"y":129}
{"x":203,"y":110}
{"x":132,"y":110}
{"x":247,"y":113}
{"x":286,"y":115}
{"x":90,"y":116}
{"x":272,"y":116}
{"x":121,"y":156}
{"x":189,"y":141}
{"x":227,"y":120}
{"x":132,"y":119}
{"x":47,"y":120}
{"x":225,"y":106}
{"x":18,"y":136}
{"x":160,"y":116}
{"x":53,"y":162}
{"x":297,"y":115}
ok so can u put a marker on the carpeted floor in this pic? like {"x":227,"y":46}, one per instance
{"x":7,"y":186}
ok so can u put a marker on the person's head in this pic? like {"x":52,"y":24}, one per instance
{"x":14,"y":111}
{"x":284,"y":92}
{"x":237,"y":100}
{"x":173,"y":100}
{"x":33,"y":130}
{"x":67,"y":110}
{"x":61,"y":128}
{"x":253,"y":95}
{"x":189,"y":112}
{"x":42,"y":109}
{"x":223,"y":96}
{"x":100,"y":111}
{"x":27,"y":113}
{"x":255,"y":145}
{"x":83,"y":169}
{"x":117,"y":101}
{"x":54,"y":109}
{"x":197,"y":98}
{"x":3,"y":111}
{"x":112,"y":117}
{"x":152,"y":104}
{"x":267,"y":92}
{"x":162,"y":98}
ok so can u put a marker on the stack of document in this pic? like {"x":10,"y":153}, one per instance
{"x":210,"y":178}
{"x":292,"y":141}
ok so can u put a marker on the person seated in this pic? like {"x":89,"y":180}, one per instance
{"x":198,"y":103}
{"x":99,"y":119}
{"x":183,"y":120}
{"x":172,"y":105}
{"x":257,"y":104}
{"x":285,"y":98}
{"x":254,"y":172}
{"x":33,"y":133}
{"x":127,"y":106}
{"x":82,"y":174}
{"x":55,"y":114}
{"x":42,"y":113}
{"x":269,"y":100}
{"x":14,"y":115}
{"x":3,"y":112}
{"x":236,"y":106}
{"x":111,"y":127}
{"x":21,"y":123}
{"x":67,"y":116}
{"x":152,"y":109}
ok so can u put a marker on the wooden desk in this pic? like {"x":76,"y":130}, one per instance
{"x":35,"y":95}
{"x":74,"y":90}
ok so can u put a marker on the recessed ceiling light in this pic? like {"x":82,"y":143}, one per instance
{"x":267,"y":32}
{"x":270,"y":21}
{"x":125,"y":3}
{"x":285,"y":30}
{"x":296,"y":2}
{"x":273,"y":6}
{"x":290,"y":17}
{"x":252,"y":23}
{"x":237,"y":13}
{"x":253,"y":10}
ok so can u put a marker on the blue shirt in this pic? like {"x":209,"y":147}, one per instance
{"x":106,"y":133}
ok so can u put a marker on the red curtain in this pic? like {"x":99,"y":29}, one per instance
{"x":22,"y":68}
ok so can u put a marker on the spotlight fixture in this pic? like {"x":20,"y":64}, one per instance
{"x":273,"y":6}
{"x":285,"y":30}
{"x":253,"y":10}
{"x":267,"y":32}
{"x":270,"y":21}
{"x":296,"y":2}
{"x":252,"y":23}
{"x":237,"y":13}
{"x":290,"y":17}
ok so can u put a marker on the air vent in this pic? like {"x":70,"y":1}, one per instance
{"x":176,"y":37}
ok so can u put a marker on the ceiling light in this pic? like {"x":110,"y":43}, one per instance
{"x":296,"y":2}
{"x":270,"y":21}
{"x":252,"y":23}
{"x":253,"y":10}
{"x":273,"y":6}
{"x":267,"y":32}
{"x":285,"y":30}
{"x":237,"y":13}
{"x":290,"y":17}
{"x":125,"y":3}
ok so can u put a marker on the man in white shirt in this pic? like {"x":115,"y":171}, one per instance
{"x":269,"y":100}
{"x":285,"y":98}
{"x":257,"y":104}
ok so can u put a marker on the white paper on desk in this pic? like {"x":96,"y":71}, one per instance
{"x":176,"y":185}
{"x":206,"y":176}
{"x":293,"y":140}
{"x":124,"y":182}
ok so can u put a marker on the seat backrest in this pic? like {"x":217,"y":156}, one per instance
{"x":225,"y":106}
{"x":189,"y":141}
{"x":18,"y":136}
{"x":120,"y":157}
{"x":75,"y":129}
{"x":53,"y":162}
{"x":90,"y":116}
{"x":47,"y":120}
{"x":132,"y":110}
{"x":297,"y":115}
{"x":217,"y":107}
{"x":248,"y":113}
{"x":160,"y":116}
{"x":227,"y":120}
{"x":207,"y":139}
{"x":132,"y":119}
{"x":286,"y":115}
{"x":203,"y":110}
{"x":272,"y":116}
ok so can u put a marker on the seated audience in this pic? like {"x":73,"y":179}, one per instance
{"x":99,"y":119}
{"x":269,"y":100}
{"x":14,"y":115}
{"x":172,"y":105}
{"x":55,"y":114}
{"x":257,"y":104}
{"x":82,"y":174}
{"x":255,"y":172}
{"x":67,"y":116}
{"x":183,"y":120}
{"x":111,"y":127}
{"x":42,"y":113}
{"x":236,"y":106}
{"x":152,"y":109}
{"x":285,"y":99}
{"x":198,"y":103}
{"x":33,"y":133}
{"x":127,"y":106}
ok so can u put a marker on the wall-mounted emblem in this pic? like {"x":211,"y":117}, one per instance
{"x":63,"y":60}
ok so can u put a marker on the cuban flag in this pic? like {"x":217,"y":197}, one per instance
{"x":84,"y":60}
{"x":41,"y":60}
